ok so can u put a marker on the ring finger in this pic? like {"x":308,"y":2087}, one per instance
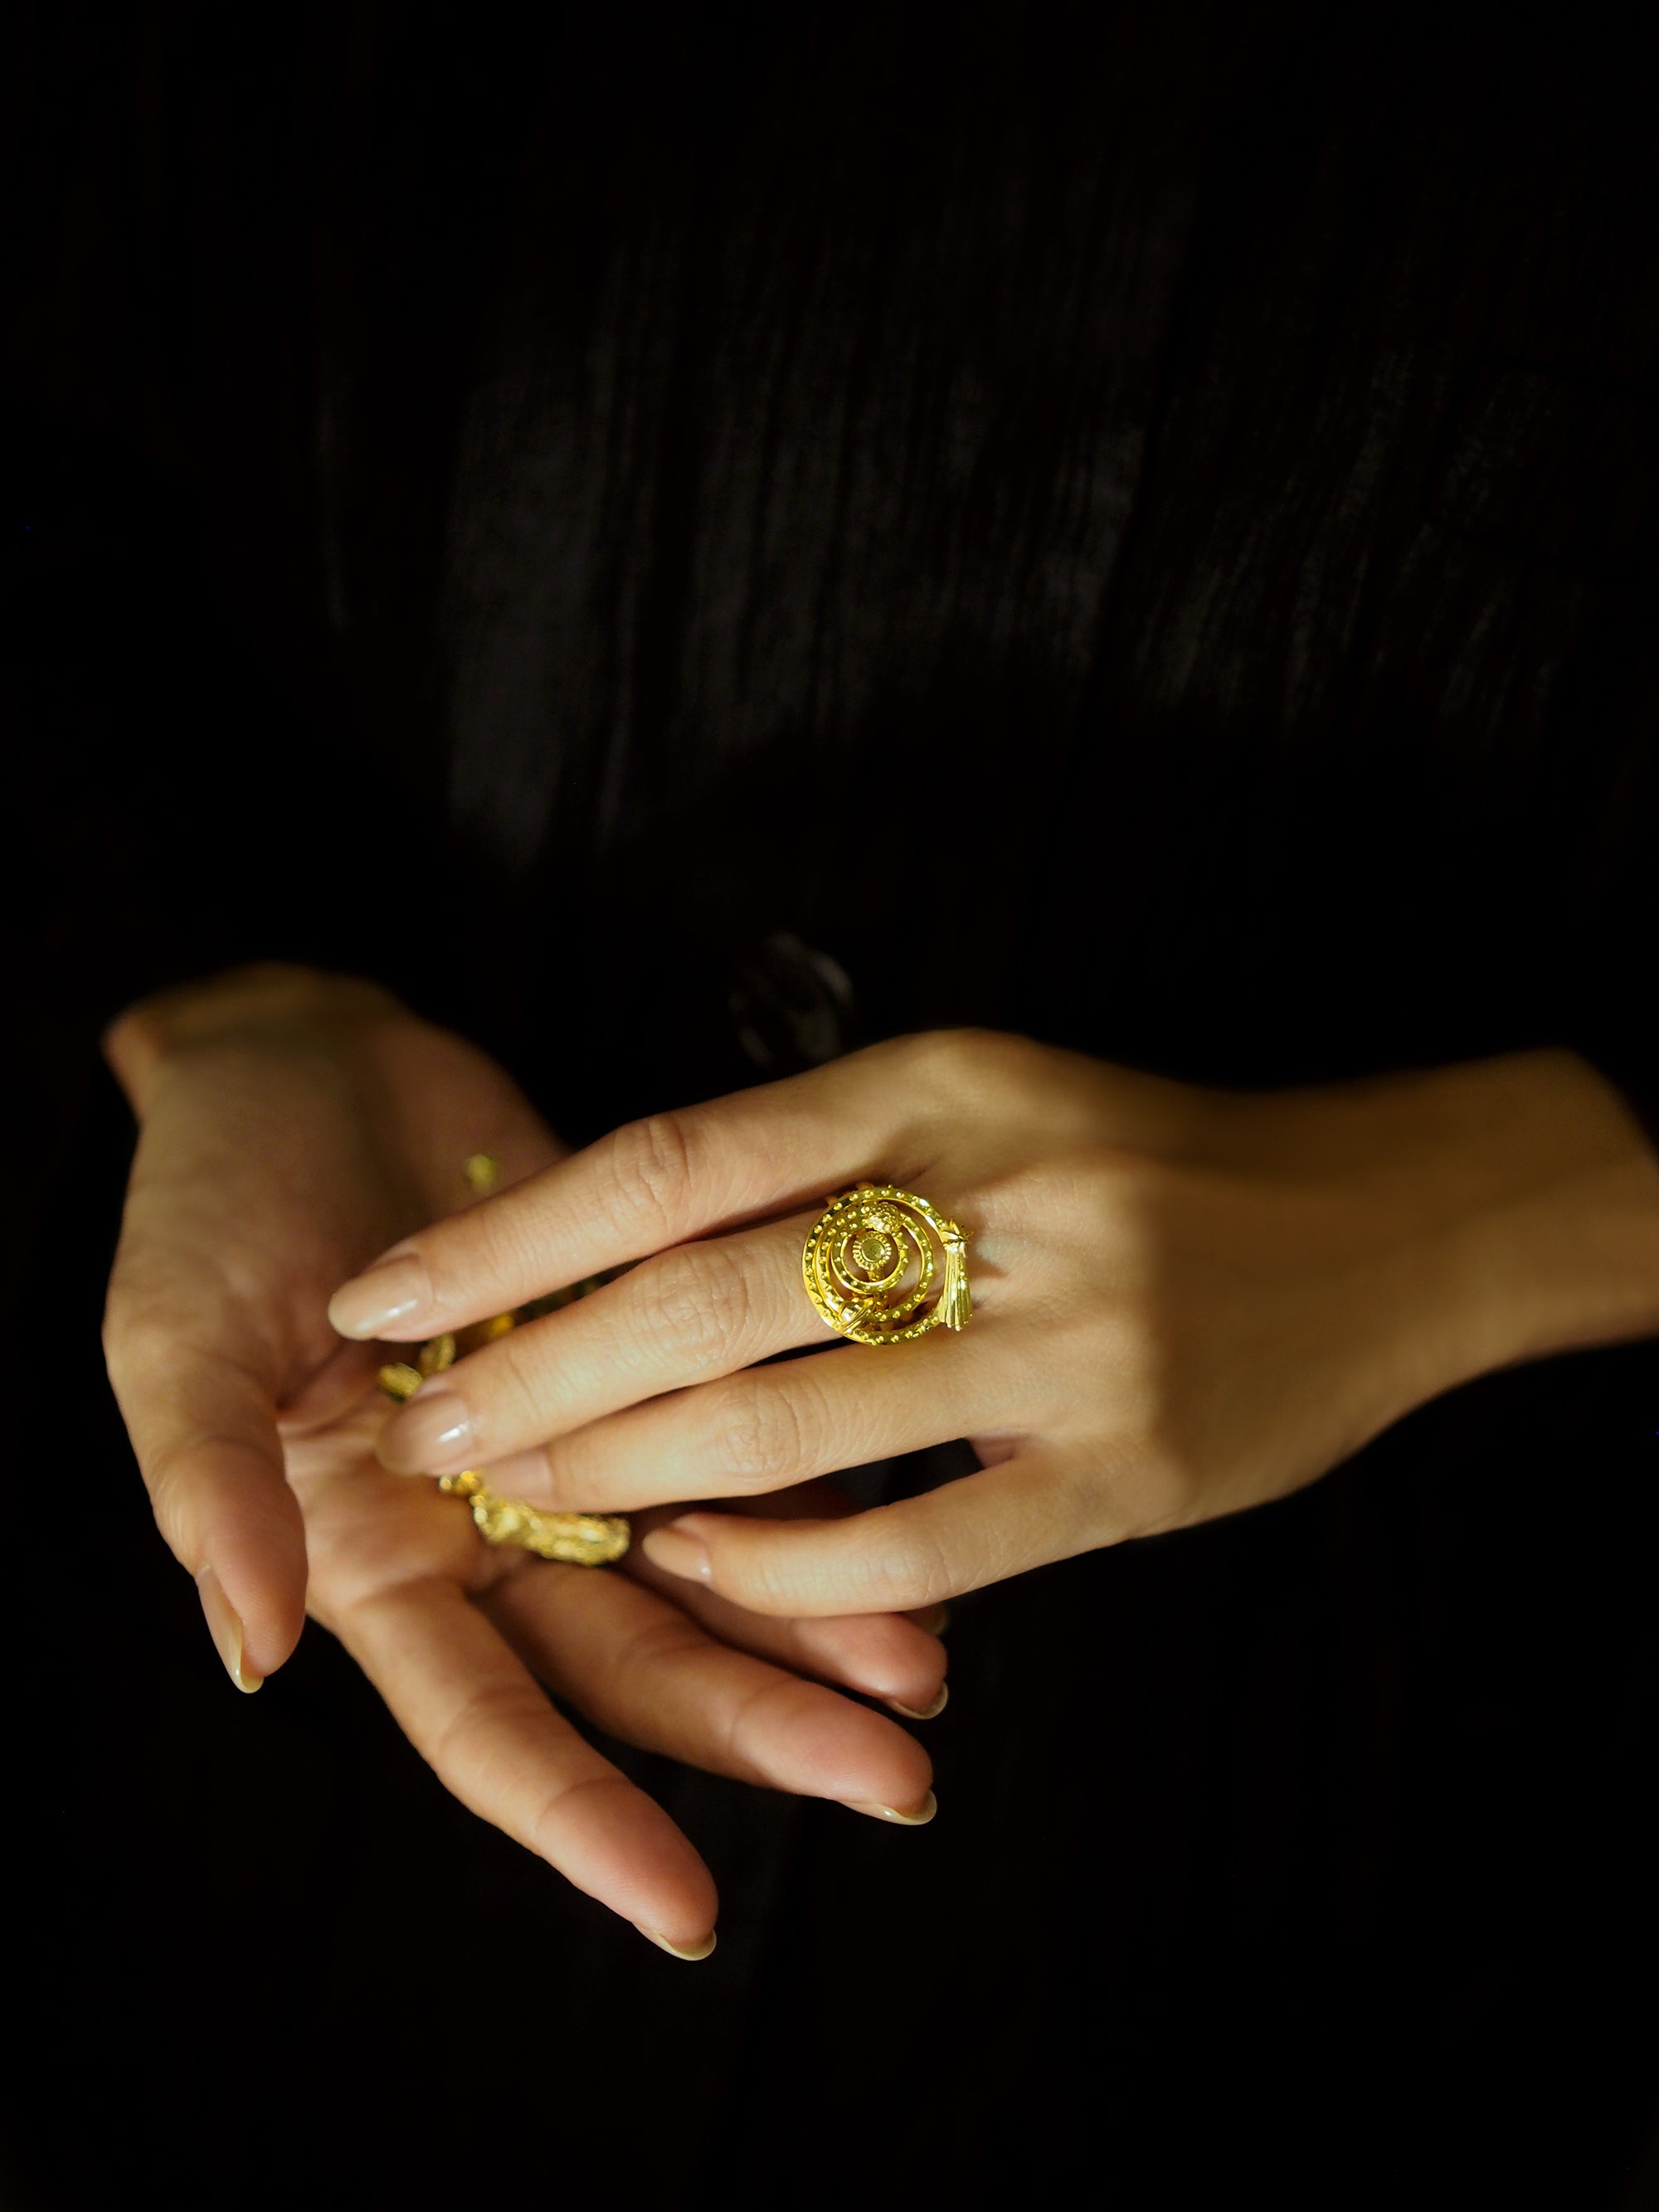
{"x":701,"y":1311}
{"x":772,"y":1426}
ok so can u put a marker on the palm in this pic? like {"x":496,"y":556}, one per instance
{"x":369,"y":1533}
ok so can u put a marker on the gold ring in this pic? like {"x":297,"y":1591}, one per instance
{"x":869,"y":1260}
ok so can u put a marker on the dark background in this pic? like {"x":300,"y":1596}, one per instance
{"x":1309,"y":1853}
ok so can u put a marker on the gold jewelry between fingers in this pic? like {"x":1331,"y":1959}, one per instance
{"x":869,"y":1260}
{"x":576,"y":1539}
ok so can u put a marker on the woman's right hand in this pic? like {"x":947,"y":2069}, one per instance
{"x":292,"y":1126}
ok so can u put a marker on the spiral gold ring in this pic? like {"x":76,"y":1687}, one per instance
{"x":869,"y":1260}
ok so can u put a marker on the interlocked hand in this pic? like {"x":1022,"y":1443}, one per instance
{"x":290,"y":1125}
{"x":1185,"y":1301}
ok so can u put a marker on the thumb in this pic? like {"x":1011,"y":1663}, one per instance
{"x":202,"y":1422}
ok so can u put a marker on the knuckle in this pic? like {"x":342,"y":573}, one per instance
{"x":1096,"y":1175}
{"x":940,"y":1056}
{"x":473,"y":1251}
{"x":980,"y":1060}
{"x":907,"y":1568}
{"x":1118,"y":1198}
{"x":758,"y":1437}
{"x":704,"y":1304}
{"x":651,"y":1170}
{"x":770,"y":1583}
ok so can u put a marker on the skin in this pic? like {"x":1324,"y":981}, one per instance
{"x":1186,"y":1301}
{"x":291,"y":1126}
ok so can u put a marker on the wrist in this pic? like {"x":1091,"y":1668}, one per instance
{"x":1493,"y":1212}
{"x":1567,"y":1249}
{"x":270,"y":1004}
{"x":1533,"y":1211}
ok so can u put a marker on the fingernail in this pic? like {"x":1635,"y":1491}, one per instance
{"x":433,"y":1434}
{"x":371,"y":1303}
{"x":226,"y":1629}
{"x":679,"y":1950}
{"x":918,"y":1818}
{"x":922,"y":1712}
{"x":936,"y":1622}
{"x":526,"y":1474}
{"x":672,"y":1549}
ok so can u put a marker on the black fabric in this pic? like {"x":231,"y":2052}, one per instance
{"x":680,"y":542}
{"x":1206,"y":470}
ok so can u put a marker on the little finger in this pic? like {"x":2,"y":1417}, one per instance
{"x":919,"y":1551}
{"x":640,"y":1669}
{"x":879,"y":1655}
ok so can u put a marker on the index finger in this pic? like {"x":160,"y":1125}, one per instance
{"x":471,"y":1708}
{"x":651,"y":1184}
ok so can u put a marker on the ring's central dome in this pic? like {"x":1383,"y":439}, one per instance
{"x":874,"y":1252}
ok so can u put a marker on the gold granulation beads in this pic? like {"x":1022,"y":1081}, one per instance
{"x":869,"y":1263}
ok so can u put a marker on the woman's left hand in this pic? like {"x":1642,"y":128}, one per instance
{"x":1186,"y":1301}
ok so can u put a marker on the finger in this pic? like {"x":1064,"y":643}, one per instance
{"x":701,"y":1310}
{"x":880,"y":1655}
{"x":919,"y":1551}
{"x":665,"y":1685}
{"x":652,"y":1184}
{"x":331,"y":1391}
{"x":203,"y":1421}
{"x":471,"y":1710}
{"x":772,"y":1426}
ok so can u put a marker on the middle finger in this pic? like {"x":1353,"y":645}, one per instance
{"x":699,"y":1311}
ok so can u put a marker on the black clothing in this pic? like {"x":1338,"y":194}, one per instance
{"x":1207,"y":470}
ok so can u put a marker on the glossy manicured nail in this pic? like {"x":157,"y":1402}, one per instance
{"x":524,"y":1474}
{"x":433,"y":1434}
{"x":918,"y":1818}
{"x":226,"y":1629}
{"x":922,"y":1712}
{"x":679,"y":1950}
{"x":384,"y":1296}
{"x":674,"y":1550}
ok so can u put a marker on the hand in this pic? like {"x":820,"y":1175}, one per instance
{"x":290,"y":1122}
{"x":457,"y":1636}
{"x":1186,"y":1301}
